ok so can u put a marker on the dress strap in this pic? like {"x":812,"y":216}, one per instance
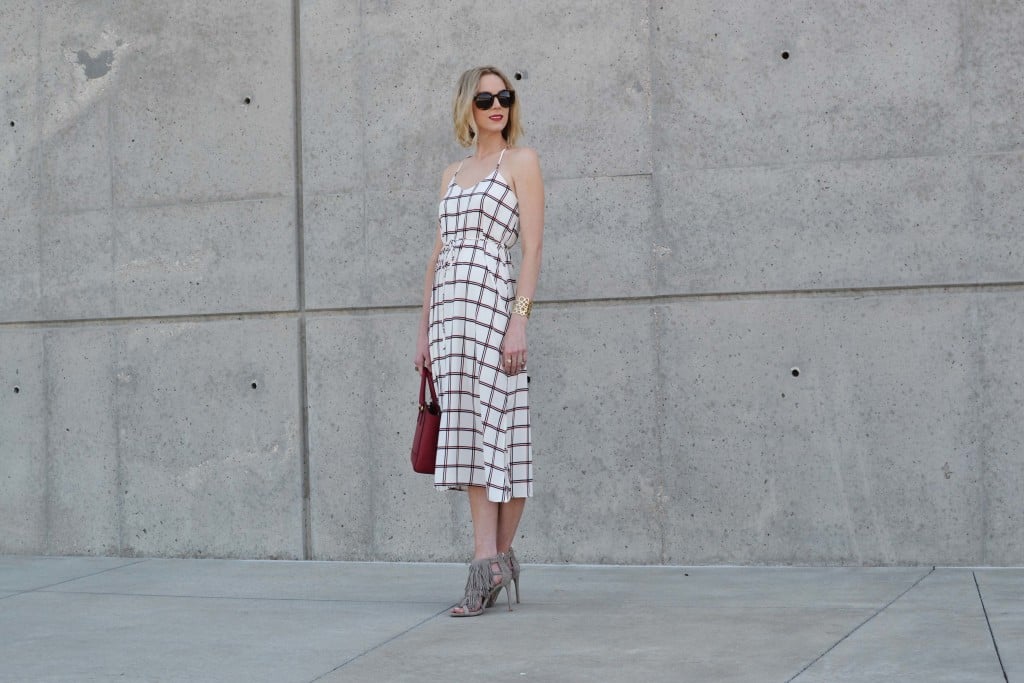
{"x":499,"y":158}
{"x":455,"y":175}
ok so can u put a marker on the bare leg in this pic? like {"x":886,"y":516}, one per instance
{"x":485,"y":523}
{"x":485,"y":528}
{"x":509,"y":515}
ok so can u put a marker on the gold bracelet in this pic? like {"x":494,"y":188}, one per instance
{"x":522,"y":306}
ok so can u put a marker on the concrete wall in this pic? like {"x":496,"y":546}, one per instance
{"x":782,"y":313}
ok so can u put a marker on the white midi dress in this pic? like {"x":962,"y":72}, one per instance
{"x":485,"y":419}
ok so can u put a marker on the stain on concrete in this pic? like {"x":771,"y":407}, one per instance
{"x":96,"y":67}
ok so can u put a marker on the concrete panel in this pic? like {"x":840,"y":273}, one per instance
{"x":335,"y":241}
{"x":997,"y":216}
{"x":81,"y":57}
{"x":367,"y":503}
{"x":598,"y":239}
{"x":995,"y":67}
{"x":598,"y":478}
{"x":76,"y":265}
{"x":1001,"y":388}
{"x":576,"y":86}
{"x":181,"y":127}
{"x":860,"y":81}
{"x":19,"y":267}
{"x":170,"y":260}
{"x":209,"y":439}
{"x":23,"y":447}
{"x":333,"y":119}
{"x":400,"y":231}
{"x":857,"y":460}
{"x":19,"y":131}
{"x":369,"y":249}
{"x":207,"y":258}
{"x":855,"y":224}
{"x":81,"y":428}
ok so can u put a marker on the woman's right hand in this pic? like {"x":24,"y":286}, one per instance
{"x":421,"y":358}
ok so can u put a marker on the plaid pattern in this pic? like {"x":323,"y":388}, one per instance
{"x":485,"y":423}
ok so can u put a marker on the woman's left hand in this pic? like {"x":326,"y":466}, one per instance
{"x":513,"y":346}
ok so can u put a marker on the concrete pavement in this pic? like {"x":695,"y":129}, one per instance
{"x":128,"y":619}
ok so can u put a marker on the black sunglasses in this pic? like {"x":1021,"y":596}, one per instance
{"x":485,"y":100}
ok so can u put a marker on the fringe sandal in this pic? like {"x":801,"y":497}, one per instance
{"x":481,"y":590}
{"x":513,"y":566}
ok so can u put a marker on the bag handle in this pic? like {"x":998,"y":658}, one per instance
{"x":423,"y":384}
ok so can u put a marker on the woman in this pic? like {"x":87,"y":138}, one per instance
{"x":472,"y":333}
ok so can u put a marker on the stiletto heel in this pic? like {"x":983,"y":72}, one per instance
{"x":481,"y":590}
{"x":513,"y":567}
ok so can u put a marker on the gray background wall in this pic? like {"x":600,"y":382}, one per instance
{"x":215,"y":224}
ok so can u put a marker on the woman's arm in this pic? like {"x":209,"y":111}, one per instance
{"x":421,"y":357}
{"x":529,"y":189}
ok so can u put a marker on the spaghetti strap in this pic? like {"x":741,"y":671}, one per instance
{"x":499,"y":158}
{"x":456,"y":174}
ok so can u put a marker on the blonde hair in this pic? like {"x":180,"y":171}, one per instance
{"x":462,"y":108}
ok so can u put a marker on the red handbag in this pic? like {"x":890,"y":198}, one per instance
{"x":428,"y":424}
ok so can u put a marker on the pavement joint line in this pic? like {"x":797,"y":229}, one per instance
{"x":991,"y":633}
{"x":382,"y":644}
{"x":858,"y":627}
{"x":42,"y":589}
{"x":227,"y":597}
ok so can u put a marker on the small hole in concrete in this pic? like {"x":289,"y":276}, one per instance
{"x":785,"y":54}
{"x":795,"y":372}
{"x":248,"y":100}
{"x":519,"y":75}
{"x":12,"y":124}
{"x":17,"y":390}
{"x":254,"y":385}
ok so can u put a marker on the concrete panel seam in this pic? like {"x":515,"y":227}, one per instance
{"x":838,"y":161}
{"x":115,"y":369}
{"x":861,"y":624}
{"x":175,"y":203}
{"x":979,"y":407}
{"x":966,"y":75}
{"x":47,"y":450}
{"x":660,"y":401}
{"x":555,"y":304}
{"x":393,"y":638}
{"x":148,"y":319}
{"x":991,"y":633}
{"x":300,"y":267}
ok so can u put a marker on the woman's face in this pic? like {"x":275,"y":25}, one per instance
{"x":496,"y":118}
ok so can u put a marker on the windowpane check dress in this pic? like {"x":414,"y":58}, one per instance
{"x":485,"y":421}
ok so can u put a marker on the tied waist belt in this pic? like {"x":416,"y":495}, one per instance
{"x":490,"y":247}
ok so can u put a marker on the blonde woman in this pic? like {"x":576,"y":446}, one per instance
{"x":472,"y":333}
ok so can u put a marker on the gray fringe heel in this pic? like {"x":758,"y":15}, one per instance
{"x":513,"y":567}
{"x":481,"y":590}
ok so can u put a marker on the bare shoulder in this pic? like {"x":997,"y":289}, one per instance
{"x":523,"y":158}
{"x":449,"y":171}
{"x":523,"y":166}
{"x":446,"y":177}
